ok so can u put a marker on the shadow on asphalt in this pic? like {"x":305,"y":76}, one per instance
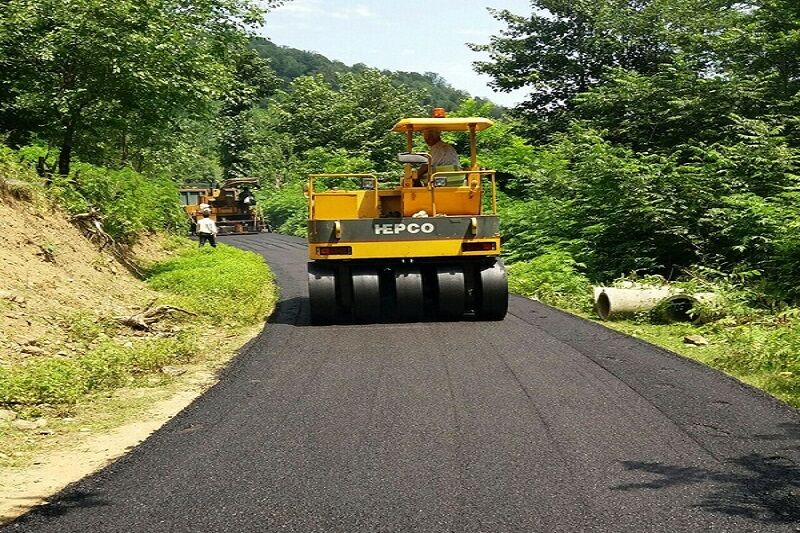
{"x":70,"y":502}
{"x":762,"y":488}
{"x":294,"y":312}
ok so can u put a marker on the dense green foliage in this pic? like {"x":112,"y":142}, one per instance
{"x":552,"y":278}
{"x":113,"y":76}
{"x":129,"y":202}
{"x":665,"y":145}
{"x":666,"y":135}
{"x":224,"y":287}
{"x":143,"y":95}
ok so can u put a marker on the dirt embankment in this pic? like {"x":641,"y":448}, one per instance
{"x":52,"y":279}
{"x":54,"y":282}
{"x":77,"y":387}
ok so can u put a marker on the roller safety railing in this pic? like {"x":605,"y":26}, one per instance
{"x":473,"y":185}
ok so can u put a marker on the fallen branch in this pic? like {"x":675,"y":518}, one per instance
{"x":91,"y":224}
{"x":150,"y":315}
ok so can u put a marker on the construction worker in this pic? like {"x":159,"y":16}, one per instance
{"x":443,"y":156}
{"x":207,"y":231}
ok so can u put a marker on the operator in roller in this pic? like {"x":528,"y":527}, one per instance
{"x":443,"y":156}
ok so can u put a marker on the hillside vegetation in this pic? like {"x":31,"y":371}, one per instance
{"x":290,"y":63}
{"x":63,"y":298}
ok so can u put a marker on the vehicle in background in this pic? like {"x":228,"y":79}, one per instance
{"x":227,"y":205}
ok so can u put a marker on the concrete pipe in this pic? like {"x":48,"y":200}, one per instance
{"x":596,"y":292}
{"x":681,"y":307}
{"x":612,"y":302}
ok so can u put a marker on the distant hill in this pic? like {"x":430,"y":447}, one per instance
{"x":290,"y":63}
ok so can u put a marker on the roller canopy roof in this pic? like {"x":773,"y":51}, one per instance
{"x":443,"y":124}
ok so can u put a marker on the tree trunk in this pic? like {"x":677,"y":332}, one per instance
{"x":65,"y":156}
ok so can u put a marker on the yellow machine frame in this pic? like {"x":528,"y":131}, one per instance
{"x":341,"y":205}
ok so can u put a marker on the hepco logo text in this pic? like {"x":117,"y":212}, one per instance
{"x":396,"y":229}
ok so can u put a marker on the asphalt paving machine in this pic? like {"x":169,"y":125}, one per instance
{"x":226,"y":205}
{"x":411,"y":250}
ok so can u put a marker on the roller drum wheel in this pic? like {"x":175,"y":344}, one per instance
{"x":366,"y":295}
{"x":451,"y":297}
{"x":410,"y":301}
{"x":493,"y":300}
{"x":322,"y":293}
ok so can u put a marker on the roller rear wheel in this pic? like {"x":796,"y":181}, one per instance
{"x":366,"y":294}
{"x":451,"y":297}
{"x":493,"y":296}
{"x":322,"y":293}
{"x":408,"y":289}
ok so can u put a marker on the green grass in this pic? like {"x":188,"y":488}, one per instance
{"x":54,"y":381}
{"x":761,"y":355}
{"x":224,"y":287}
{"x":83,"y":327}
{"x":551,"y":278}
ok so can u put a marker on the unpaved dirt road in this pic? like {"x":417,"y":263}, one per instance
{"x":542,"y":422}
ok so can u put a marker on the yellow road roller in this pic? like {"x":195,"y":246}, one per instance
{"x":425,"y":247}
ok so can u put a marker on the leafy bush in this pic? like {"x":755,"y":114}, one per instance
{"x":531,"y":227}
{"x":286,"y":209}
{"x":551,"y":278}
{"x":773,"y":354}
{"x":129,"y":202}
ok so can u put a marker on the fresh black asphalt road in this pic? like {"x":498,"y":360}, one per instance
{"x":542,"y":422}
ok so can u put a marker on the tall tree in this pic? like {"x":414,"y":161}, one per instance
{"x":356,"y":117}
{"x":254,"y":81}
{"x":82,"y":66}
{"x":563,"y":48}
